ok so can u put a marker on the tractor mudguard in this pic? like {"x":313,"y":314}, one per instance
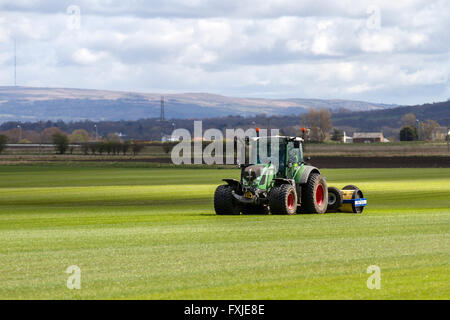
{"x":236,"y":185}
{"x":305,"y":172}
{"x":280,"y":181}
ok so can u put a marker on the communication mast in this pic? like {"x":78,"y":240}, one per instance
{"x":162,"y":116}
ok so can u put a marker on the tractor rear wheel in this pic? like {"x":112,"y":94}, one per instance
{"x":224,"y":202}
{"x":254,"y":209}
{"x":335,"y":199}
{"x":283,"y":199}
{"x":315,"y":194}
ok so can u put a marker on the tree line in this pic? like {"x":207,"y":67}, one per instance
{"x":153,"y":129}
{"x":413,"y":129}
{"x":110,"y":146}
{"x":319,"y":122}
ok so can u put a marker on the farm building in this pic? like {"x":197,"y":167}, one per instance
{"x":440,"y":133}
{"x":169,"y":138}
{"x":368,"y":137}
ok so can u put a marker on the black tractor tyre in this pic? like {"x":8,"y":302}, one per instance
{"x":357,"y":195}
{"x":335,"y":199}
{"x":254,"y":209}
{"x":315,"y":194}
{"x":224,"y":202}
{"x":350,"y":187}
{"x":283,"y":199}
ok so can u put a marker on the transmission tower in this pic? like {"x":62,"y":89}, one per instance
{"x":162,"y":116}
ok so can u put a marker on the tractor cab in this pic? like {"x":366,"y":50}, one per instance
{"x":284,"y":153}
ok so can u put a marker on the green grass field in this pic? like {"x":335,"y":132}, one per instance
{"x":151,"y":233}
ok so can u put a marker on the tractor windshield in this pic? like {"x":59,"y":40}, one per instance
{"x":276,"y":150}
{"x":269,"y":149}
{"x":294,"y":154}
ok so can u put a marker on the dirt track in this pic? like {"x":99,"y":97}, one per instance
{"x":381,"y":162}
{"x":371,"y":162}
{"x":318,"y":161}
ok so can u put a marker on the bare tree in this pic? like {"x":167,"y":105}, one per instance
{"x":408,"y":120}
{"x":48,"y":133}
{"x":319,"y":121}
{"x":426,"y":129}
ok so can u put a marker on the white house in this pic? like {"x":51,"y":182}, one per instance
{"x":346,"y":138}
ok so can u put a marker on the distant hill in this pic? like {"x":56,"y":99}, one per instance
{"x":33,"y":104}
{"x":377,"y":119}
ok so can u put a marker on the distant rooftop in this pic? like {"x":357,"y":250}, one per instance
{"x":443,"y":130}
{"x":367,"y":135}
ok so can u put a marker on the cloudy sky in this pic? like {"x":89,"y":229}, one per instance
{"x":379,"y":51}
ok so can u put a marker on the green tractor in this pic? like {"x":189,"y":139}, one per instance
{"x":283,"y":187}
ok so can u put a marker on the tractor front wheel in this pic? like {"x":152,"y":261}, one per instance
{"x":315,"y":194}
{"x":224,"y":202}
{"x":283,"y":199}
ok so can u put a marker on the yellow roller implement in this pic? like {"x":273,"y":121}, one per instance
{"x":353,"y":201}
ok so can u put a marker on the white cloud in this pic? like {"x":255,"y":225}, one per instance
{"x":86,"y":56}
{"x":321,"y":45}
{"x":377,"y":42}
{"x":359,"y":88}
{"x":277,"y":48}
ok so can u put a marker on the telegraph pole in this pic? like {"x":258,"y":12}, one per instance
{"x":20,"y":132}
{"x":40,"y":137}
{"x":162,"y":115}
{"x":96,"y":132}
{"x":447,"y":135}
{"x":162,"y":118}
{"x":418,"y":129}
